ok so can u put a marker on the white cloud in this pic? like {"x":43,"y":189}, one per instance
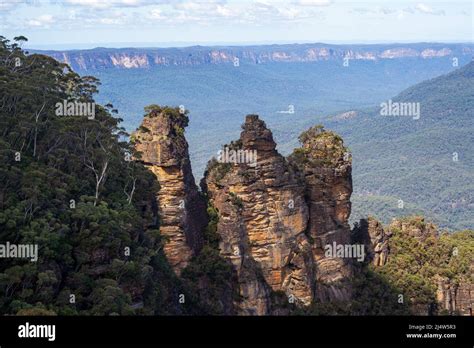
{"x":109,"y":21}
{"x":375,"y":11}
{"x":239,"y":12}
{"x":267,"y":11}
{"x":289,"y":13}
{"x":156,"y":13}
{"x":88,"y":3}
{"x":7,"y":6}
{"x":422,"y":8}
{"x":102,"y":4}
{"x":41,"y":21}
{"x":400,"y":14}
{"x":313,"y":3}
{"x":225,"y":11}
{"x":385,"y":10}
{"x":200,"y":6}
{"x":90,"y":13}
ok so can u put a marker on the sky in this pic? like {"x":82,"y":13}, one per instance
{"x":119,"y":23}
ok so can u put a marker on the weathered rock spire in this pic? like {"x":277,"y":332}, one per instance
{"x":263,"y":219}
{"x":182,"y":211}
{"x":326,"y":166}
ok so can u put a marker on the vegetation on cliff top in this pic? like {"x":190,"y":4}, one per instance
{"x":408,"y":282}
{"x":319,"y":147}
{"x":415,"y":264}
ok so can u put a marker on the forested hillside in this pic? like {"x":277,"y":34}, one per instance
{"x":426,"y":163}
{"x":68,"y":185}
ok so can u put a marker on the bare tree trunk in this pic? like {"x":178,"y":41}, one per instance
{"x":99,"y":179}
{"x":36,"y":128}
{"x":130,"y":195}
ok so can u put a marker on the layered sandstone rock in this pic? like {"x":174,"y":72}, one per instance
{"x":415,"y":227}
{"x":141,"y":58}
{"x":262,"y":224}
{"x":182,"y":212}
{"x":376,"y":238}
{"x":326,"y":166}
{"x":371,"y":233}
{"x":454,"y":294}
{"x":276,"y":216}
{"x":455,"y":298}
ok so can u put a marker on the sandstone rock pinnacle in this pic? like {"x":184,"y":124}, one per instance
{"x":182,"y":211}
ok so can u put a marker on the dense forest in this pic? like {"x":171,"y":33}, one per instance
{"x":68,"y":184}
{"x":71,"y":186}
{"x":426,"y":163}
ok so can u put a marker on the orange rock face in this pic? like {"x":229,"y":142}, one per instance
{"x":164,"y":150}
{"x":327,"y":167}
{"x":267,"y":224}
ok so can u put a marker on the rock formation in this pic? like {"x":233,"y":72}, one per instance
{"x":276,"y":216}
{"x":143,"y":58}
{"x":371,"y":233}
{"x":454,"y":294}
{"x":455,"y":298}
{"x":415,"y":227}
{"x":263,"y":220}
{"x":182,"y":212}
{"x":326,"y":166}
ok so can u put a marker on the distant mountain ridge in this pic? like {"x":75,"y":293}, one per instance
{"x":132,"y":58}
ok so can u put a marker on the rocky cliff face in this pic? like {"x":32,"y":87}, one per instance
{"x":263,"y":219}
{"x":326,"y":166}
{"x":454,"y":294}
{"x":164,"y":150}
{"x":276,"y":216}
{"x":371,"y":233}
{"x":455,"y":297}
{"x":415,"y":227}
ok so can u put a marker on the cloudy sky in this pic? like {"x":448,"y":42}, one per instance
{"x":91,"y":23}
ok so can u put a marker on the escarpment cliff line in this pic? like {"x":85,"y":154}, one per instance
{"x":141,"y":58}
{"x":182,"y":211}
